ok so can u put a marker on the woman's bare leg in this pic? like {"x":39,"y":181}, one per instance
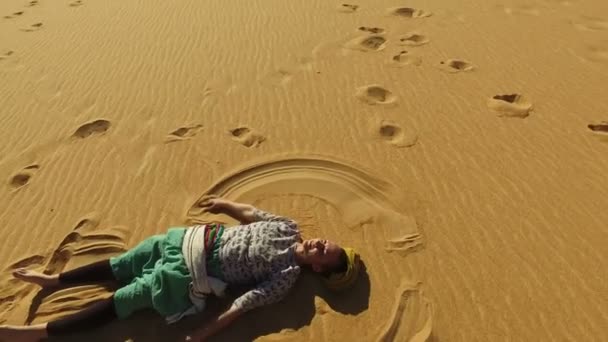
{"x":96,"y":315}
{"x":38,"y":278}
{"x":26,"y":333}
{"x":96,"y":272}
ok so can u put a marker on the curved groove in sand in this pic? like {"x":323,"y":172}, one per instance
{"x":348,"y":187}
{"x":410,"y":305}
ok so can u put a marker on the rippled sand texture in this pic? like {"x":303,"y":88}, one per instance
{"x":461,"y":146}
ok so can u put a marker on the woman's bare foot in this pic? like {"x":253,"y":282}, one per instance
{"x":38,"y":278}
{"x":25,"y":333}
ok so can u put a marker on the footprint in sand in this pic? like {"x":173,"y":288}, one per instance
{"x":559,"y":2}
{"x":32,"y":3}
{"x":522,"y":10}
{"x":94,"y":127}
{"x":597,"y":54}
{"x":6,"y":55}
{"x":376,"y":95}
{"x":510,"y":105}
{"x":23,"y":177}
{"x":247,"y":137}
{"x":600,"y":130}
{"x":393,"y":134}
{"x":601,"y":127}
{"x":278,"y":78}
{"x":408,"y":12}
{"x":33,"y":28}
{"x":183,"y":133}
{"x":347,"y":8}
{"x":14,"y":15}
{"x":76,"y":3}
{"x":455,"y":65}
{"x":413,"y":39}
{"x":375,"y":30}
{"x":586,"y":23}
{"x":373,"y":42}
{"x":404,"y":58}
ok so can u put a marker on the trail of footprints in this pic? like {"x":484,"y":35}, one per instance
{"x":243,"y":135}
{"x":85,"y":239}
{"x":376,"y":39}
{"x":38,"y":25}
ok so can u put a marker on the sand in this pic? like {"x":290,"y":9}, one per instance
{"x":460,"y":146}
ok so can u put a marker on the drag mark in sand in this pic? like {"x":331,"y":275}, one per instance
{"x":84,"y":239}
{"x":412,"y":316}
{"x":361,"y":198}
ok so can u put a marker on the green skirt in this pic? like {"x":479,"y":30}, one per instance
{"x":154,"y":275}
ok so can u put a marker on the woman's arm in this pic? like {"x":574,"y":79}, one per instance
{"x":244,"y":213}
{"x":213,"y":327}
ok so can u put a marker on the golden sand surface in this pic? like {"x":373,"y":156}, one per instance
{"x":460,"y":146}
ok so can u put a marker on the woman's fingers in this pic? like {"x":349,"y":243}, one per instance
{"x":207,"y":202}
{"x":210,"y":207}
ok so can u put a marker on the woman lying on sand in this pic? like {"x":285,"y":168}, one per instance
{"x":172,"y":273}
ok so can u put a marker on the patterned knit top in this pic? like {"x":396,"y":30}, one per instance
{"x":260,"y":254}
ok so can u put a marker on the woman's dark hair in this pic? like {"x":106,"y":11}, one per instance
{"x":340,"y":267}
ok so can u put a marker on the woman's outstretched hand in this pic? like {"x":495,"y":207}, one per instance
{"x":213,"y":205}
{"x":197,"y":336}
{"x":215,"y":325}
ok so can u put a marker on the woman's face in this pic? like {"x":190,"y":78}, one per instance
{"x":321,"y":254}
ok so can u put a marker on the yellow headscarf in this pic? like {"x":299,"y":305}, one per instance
{"x":344,"y":280}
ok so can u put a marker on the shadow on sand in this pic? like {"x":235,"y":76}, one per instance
{"x":294,"y":312}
